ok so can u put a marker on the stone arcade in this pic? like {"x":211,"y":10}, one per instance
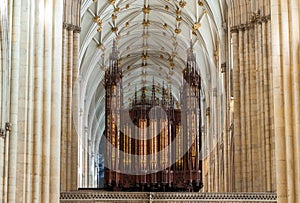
{"x":54,"y":56}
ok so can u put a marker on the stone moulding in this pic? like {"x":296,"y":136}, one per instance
{"x":250,"y":25}
{"x":78,"y":196}
{"x":72,"y":27}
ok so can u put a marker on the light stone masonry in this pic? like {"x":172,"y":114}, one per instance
{"x":50,"y":149}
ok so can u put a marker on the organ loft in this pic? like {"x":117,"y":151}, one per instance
{"x":153,"y":144}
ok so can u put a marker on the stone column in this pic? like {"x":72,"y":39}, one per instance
{"x":248,"y":120}
{"x":75,"y":110}
{"x":15,"y":65}
{"x":70,"y":113}
{"x":56,"y":95}
{"x":285,"y":64}
{"x":4,"y":95}
{"x":252,"y":111}
{"x":260,"y":101}
{"x":242,"y":109}
{"x":266,"y":103}
{"x":294,"y":23}
{"x":69,"y":109}
{"x":271,"y":114}
{"x":237,"y":127}
{"x":35,"y":96}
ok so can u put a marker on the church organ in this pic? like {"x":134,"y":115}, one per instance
{"x":153,"y":145}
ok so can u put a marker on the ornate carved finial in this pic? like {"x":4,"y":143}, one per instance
{"x":191,"y":55}
{"x":143,"y":95}
{"x":190,"y":72}
{"x":114,"y":74}
{"x":153,"y":98}
{"x":163,"y":92}
{"x":135,"y":96}
{"x":171,"y":97}
{"x":114,"y":53}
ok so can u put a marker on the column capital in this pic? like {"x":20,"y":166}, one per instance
{"x":74,"y":28}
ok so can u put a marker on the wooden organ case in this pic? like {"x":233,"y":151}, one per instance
{"x":135,"y":159}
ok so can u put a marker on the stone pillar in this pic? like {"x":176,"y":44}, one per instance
{"x":70,"y":113}
{"x":55,"y":140}
{"x":33,"y":152}
{"x":260,"y":107}
{"x":286,"y":83}
{"x":294,"y":9}
{"x":237,"y":129}
{"x":242,"y":110}
{"x":13,"y":138}
{"x":4,"y":95}
{"x":252,"y":99}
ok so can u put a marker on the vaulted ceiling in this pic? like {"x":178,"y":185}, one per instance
{"x":152,"y":37}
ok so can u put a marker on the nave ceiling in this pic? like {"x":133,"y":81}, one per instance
{"x":153,"y":38}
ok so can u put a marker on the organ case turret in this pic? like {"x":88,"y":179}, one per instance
{"x":154,"y":145}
